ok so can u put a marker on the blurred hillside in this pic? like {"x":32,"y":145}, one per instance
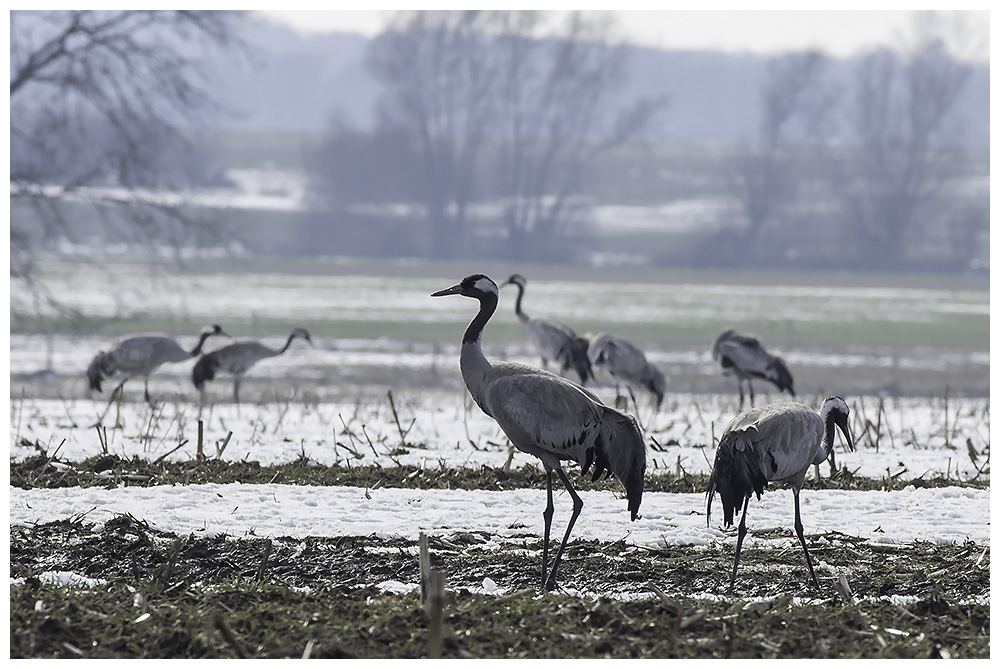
{"x":294,"y":82}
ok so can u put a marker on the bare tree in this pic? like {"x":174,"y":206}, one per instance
{"x":511,"y":93}
{"x":795,"y":113}
{"x":905,"y":157}
{"x":97,"y":99}
{"x":555,"y":118}
{"x":437,"y":72}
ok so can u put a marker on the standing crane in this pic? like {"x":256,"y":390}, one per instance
{"x":236,"y":359}
{"x":550,"y":417}
{"x":553,"y":340}
{"x":775,"y":442}
{"x":627,"y":364}
{"x":743,"y":355}
{"x":141,"y":355}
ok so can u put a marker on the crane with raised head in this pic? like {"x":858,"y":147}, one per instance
{"x":553,"y":340}
{"x":141,"y":355}
{"x":237,"y":358}
{"x":549,"y":417}
{"x":744,"y":356}
{"x":775,"y":442}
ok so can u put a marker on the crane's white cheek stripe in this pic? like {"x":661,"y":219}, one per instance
{"x":486,"y":285}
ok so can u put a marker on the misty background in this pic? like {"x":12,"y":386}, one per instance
{"x":513,"y":136}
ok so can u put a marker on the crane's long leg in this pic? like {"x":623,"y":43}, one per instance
{"x":802,"y":538}
{"x":577,"y":507}
{"x":621,"y":402}
{"x":750,"y":386}
{"x":739,"y":384}
{"x":547,"y":516}
{"x":147,"y":390}
{"x":236,"y":389}
{"x":739,"y":544}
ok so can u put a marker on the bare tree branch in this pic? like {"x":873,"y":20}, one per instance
{"x":98,"y":99}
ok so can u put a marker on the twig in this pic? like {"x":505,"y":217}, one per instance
{"x":177,"y":447}
{"x":365,"y":432}
{"x":263,"y":561}
{"x":425,"y":567}
{"x":219,"y":450}
{"x":230,"y":638}
{"x":200,"y":453}
{"x":435,"y":609}
{"x":395,"y":416}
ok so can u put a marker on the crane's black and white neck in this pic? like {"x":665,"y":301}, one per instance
{"x":549,"y":417}
{"x":519,"y":281}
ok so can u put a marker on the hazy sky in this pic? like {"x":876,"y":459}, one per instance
{"x":839,"y":33}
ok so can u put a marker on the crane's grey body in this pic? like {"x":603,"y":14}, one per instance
{"x":550,"y":417}
{"x":236,"y":359}
{"x":141,"y":355}
{"x":743,"y":356}
{"x":626,"y":363}
{"x":552,"y":340}
{"x":776,"y":442}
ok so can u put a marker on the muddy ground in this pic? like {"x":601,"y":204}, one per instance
{"x":221,"y":597}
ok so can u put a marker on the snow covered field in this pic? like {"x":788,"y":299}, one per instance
{"x":328,"y":405}
{"x":444,"y":428}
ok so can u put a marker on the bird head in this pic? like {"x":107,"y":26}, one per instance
{"x":303,"y":333}
{"x":478,"y":286}
{"x":515,"y":279}
{"x":213,"y":330}
{"x":835,"y":409}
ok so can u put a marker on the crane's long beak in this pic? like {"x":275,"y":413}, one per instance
{"x":842,"y":424}
{"x":454,"y":290}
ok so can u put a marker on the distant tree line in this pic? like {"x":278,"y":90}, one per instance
{"x":867,"y":167}
{"x":503,"y":109}
{"x":492,"y":124}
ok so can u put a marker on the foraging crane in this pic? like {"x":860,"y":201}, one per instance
{"x":776,"y":442}
{"x":236,"y":359}
{"x":550,"y":417}
{"x":742,"y":355}
{"x":626,"y":364}
{"x":141,"y":355}
{"x":553,"y":340}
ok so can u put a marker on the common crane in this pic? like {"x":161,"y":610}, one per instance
{"x":550,"y":417}
{"x":627,"y":364}
{"x":141,"y":355}
{"x":236,"y":359}
{"x":553,"y":340}
{"x":775,"y":442}
{"x":743,"y":355}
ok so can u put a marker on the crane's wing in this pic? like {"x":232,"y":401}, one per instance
{"x":788,"y":435}
{"x":542,"y":411}
{"x":550,"y":336}
{"x":748,"y":356}
{"x":554,"y":419}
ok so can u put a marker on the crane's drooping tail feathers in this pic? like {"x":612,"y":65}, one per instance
{"x":620,"y":450}
{"x":736,"y":475}
{"x":204,"y":370}
{"x":575,"y":356}
{"x":778,"y":374}
{"x":100,"y":367}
